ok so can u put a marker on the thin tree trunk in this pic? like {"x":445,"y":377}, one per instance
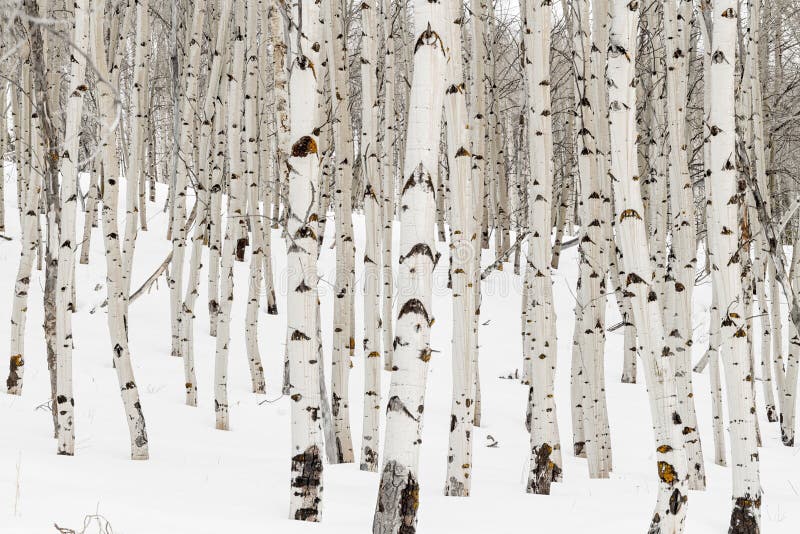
{"x":458,"y":480}
{"x":372,"y":257}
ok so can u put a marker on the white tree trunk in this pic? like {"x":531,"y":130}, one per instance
{"x":370,"y":150}
{"x":398,"y":494}
{"x":254,"y":220}
{"x":234,"y":238}
{"x":117,"y":298}
{"x":65,"y":403}
{"x":459,"y":459}
{"x":302,"y":244}
{"x":683,"y":259}
{"x":343,"y":141}
{"x":30,"y":186}
{"x":723,"y":229}
{"x":636,"y":270}
{"x":540,"y":345}
{"x":190,"y":72}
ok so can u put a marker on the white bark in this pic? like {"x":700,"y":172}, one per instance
{"x":636,"y":270}
{"x":187,"y":109}
{"x":723,"y":230}
{"x":539,"y":334}
{"x":398,"y":494}
{"x":117,"y":298}
{"x":251,"y":177}
{"x":343,"y":141}
{"x":464,"y":276}
{"x":302,"y":244}
{"x":372,"y":256}
{"x":234,"y":238}
{"x":683,"y":258}
{"x":65,"y":404}
{"x":32,"y":191}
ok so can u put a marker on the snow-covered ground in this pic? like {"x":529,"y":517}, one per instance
{"x":202,"y":481}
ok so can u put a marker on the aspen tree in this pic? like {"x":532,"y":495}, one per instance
{"x":188,"y":105}
{"x":458,"y":480}
{"x":343,"y":323}
{"x":234,"y":240}
{"x":267,"y":170}
{"x":301,"y":242}
{"x":31,"y":191}
{"x":683,"y":258}
{"x":389,"y":163}
{"x":588,"y":387}
{"x":134,"y":172}
{"x":370,"y":150}
{"x":637,"y":272}
{"x":539,"y":334}
{"x":254,"y":220}
{"x":722,"y":180}
{"x":65,"y":306}
{"x":477,"y":109}
{"x":398,"y":493}
{"x":117,"y":297}
{"x":343,"y":141}
{"x":208,"y":197}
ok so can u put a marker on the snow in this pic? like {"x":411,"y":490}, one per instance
{"x":202,"y":480}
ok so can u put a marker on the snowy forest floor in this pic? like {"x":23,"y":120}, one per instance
{"x":201,"y":481}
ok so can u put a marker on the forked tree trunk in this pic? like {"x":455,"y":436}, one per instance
{"x":398,"y":493}
{"x":636,"y":270}
{"x":31,"y":193}
{"x":117,"y":298}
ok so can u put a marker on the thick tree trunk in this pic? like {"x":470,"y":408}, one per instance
{"x":723,"y":229}
{"x":398,"y":494}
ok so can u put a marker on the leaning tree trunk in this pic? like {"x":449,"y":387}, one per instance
{"x":636,"y":270}
{"x":117,"y":298}
{"x":31,"y":193}
{"x":302,"y":244}
{"x":398,"y":494}
{"x":723,"y":228}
